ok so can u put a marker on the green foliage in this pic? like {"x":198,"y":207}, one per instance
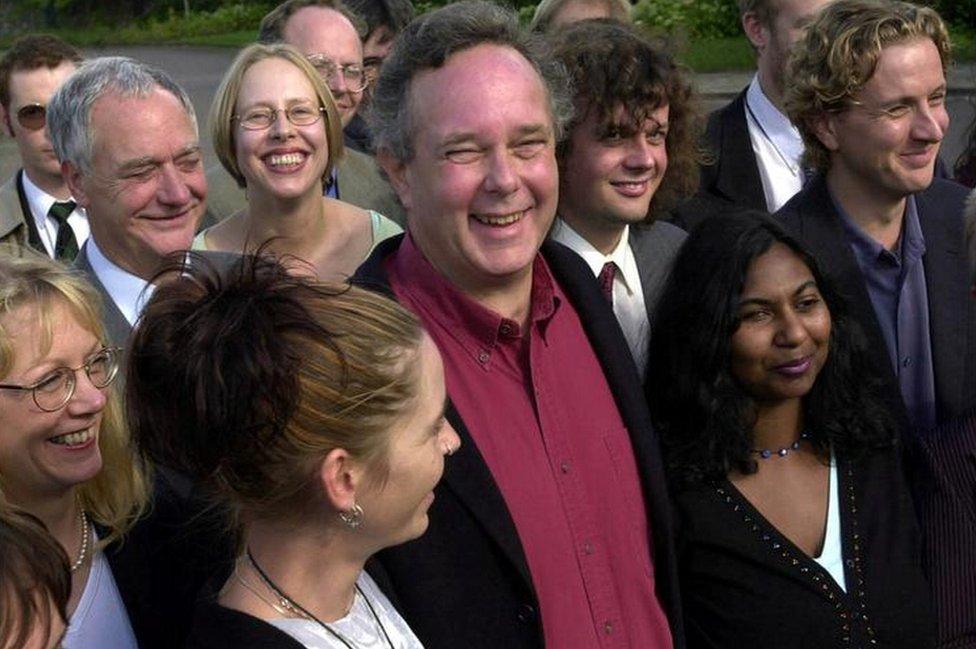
{"x":696,"y":18}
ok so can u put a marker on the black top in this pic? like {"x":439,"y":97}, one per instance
{"x":219,"y":627}
{"x":746,"y":585}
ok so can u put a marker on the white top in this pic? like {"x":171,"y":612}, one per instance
{"x":359,"y":628}
{"x":778,"y":147}
{"x":831,"y":557}
{"x":130,"y":293}
{"x":40,"y":203}
{"x":628,"y":294}
{"x":100,"y":619}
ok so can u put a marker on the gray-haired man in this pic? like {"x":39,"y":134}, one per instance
{"x":126,"y":135}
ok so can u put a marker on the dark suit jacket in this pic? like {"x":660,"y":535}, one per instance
{"x":655,"y":247}
{"x":734,"y":176}
{"x":945,"y":476}
{"x":812,"y":218}
{"x":466,"y":582}
{"x":116,"y":326}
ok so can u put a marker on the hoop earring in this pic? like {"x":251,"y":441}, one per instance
{"x":352,"y":518}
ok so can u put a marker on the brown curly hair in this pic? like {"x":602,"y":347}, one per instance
{"x":838,"y":54}
{"x":612,"y":64}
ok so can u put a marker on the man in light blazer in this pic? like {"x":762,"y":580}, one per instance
{"x":126,"y":135}
{"x":881,"y":227}
{"x":628,"y":152}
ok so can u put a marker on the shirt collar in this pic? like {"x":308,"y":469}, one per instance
{"x":621,"y":255}
{"x":776,"y":126}
{"x":129,"y":292}
{"x":431,"y":292}
{"x":40,"y":202}
{"x":911,"y":241}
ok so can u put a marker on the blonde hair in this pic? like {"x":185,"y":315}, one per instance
{"x":224,"y":107}
{"x":839,"y":53}
{"x":272,"y":372}
{"x":118,"y":495}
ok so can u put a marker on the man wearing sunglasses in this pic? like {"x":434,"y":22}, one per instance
{"x":329,"y":35}
{"x":36,"y":207}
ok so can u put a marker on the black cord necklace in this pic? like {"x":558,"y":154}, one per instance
{"x":293,"y":606}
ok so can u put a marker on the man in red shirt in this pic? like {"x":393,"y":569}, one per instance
{"x":551,"y":525}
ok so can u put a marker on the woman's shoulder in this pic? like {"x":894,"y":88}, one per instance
{"x":219,"y":627}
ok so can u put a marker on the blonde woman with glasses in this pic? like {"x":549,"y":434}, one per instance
{"x":65,"y":458}
{"x":276,"y":130}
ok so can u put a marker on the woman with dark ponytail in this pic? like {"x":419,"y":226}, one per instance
{"x":312,"y":414}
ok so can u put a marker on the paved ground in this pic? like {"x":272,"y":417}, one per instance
{"x":199,"y":70}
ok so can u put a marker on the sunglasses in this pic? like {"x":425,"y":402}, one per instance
{"x":32,"y":116}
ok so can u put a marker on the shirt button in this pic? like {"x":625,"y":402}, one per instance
{"x":505,"y":329}
{"x":608,"y":627}
{"x":483,"y":357}
{"x":906,"y":361}
{"x":564,"y":467}
{"x":587,"y":548}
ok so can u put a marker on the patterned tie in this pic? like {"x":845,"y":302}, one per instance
{"x":605,"y":278}
{"x":66,"y":246}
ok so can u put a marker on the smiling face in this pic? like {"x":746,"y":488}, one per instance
{"x":886,"y":145}
{"x":482,"y":186}
{"x":783,"y":336}
{"x":45,"y":454}
{"x":396,"y":511}
{"x":320,"y":30}
{"x":284,"y":160}
{"x":145,"y":195}
{"x":28,"y":87}
{"x":609,"y":178}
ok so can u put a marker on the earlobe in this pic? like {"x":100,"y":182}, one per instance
{"x":73,"y":178}
{"x":396,"y":171}
{"x":755,"y":30}
{"x":824,"y":127}
{"x":340,"y":477}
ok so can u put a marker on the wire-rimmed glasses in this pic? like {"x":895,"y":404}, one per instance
{"x":354,"y":75}
{"x":56,"y":388}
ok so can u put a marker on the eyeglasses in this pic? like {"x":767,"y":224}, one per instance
{"x":262,"y":118}
{"x":354,"y":75}
{"x":32,"y":116}
{"x":56,"y":389}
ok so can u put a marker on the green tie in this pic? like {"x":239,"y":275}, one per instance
{"x":66,"y":246}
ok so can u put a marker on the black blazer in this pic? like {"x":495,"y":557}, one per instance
{"x":746,"y":585}
{"x":218,"y":627}
{"x":812,"y":218}
{"x":946,"y":502}
{"x":734,"y":175}
{"x":466,"y":582}
{"x":160,"y":565}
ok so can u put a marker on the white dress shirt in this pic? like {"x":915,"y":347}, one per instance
{"x":40,"y":203}
{"x":628,"y":293}
{"x":130,"y":293}
{"x":778,"y":147}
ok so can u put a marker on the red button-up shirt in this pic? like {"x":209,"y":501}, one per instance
{"x":538,"y":406}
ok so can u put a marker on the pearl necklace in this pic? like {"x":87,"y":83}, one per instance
{"x":85,"y":541}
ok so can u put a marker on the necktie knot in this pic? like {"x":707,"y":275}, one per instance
{"x":60,"y":211}
{"x":605,"y":279}
{"x":65,"y":246}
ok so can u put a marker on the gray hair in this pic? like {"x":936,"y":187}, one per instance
{"x":427,"y":43}
{"x":69,"y":112}
{"x":547,"y":10}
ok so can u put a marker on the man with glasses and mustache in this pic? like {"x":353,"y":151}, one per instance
{"x":37,"y":210}
{"x":329,"y":35}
